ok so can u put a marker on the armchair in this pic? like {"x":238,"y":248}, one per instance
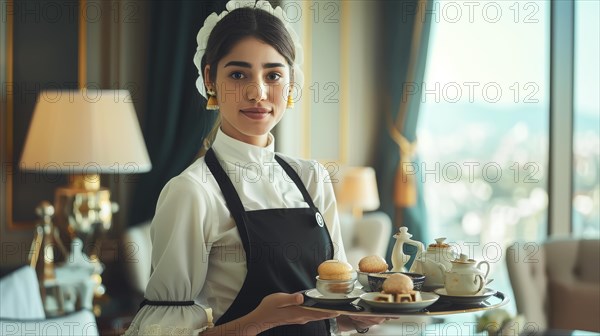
{"x":22,"y":311}
{"x":137,"y":244}
{"x":558,"y":285}
{"x":365,"y":236}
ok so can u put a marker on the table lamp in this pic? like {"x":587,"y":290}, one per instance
{"x":84,"y":133}
{"x":358,"y":190}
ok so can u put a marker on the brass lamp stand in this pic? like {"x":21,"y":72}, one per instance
{"x":84,"y":210}
{"x":41,"y":254}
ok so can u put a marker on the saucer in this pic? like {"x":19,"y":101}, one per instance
{"x":465,"y":299}
{"x":320,"y":298}
{"x":405,"y":307}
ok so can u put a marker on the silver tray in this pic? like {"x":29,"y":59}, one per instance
{"x":441,"y":307}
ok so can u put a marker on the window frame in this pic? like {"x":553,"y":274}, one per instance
{"x":560,"y":136}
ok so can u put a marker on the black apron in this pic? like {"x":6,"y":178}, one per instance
{"x":284,"y":248}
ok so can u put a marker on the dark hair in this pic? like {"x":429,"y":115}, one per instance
{"x":239,"y":24}
{"x":246,"y":22}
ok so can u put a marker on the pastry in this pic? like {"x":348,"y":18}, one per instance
{"x":400,"y":286}
{"x":413,"y":296}
{"x":372,"y":264}
{"x":384,"y":298}
{"x":403,"y":298}
{"x":398,"y":283}
{"x":335,"y":270}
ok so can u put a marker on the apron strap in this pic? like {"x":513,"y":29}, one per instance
{"x":294,"y":176}
{"x":234,"y":204}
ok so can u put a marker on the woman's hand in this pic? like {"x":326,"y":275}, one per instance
{"x":281,"y":309}
{"x":274,"y":310}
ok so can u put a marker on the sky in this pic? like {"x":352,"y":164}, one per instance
{"x":499,"y":43}
{"x":493,"y":44}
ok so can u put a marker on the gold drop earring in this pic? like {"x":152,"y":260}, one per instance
{"x":290,"y":101}
{"x":212,"y":103}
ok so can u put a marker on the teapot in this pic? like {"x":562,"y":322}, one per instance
{"x":466,"y":277}
{"x":399,"y":259}
{"x":434,"y":263}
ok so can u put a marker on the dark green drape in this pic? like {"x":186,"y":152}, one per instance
{"x":399,"y":22}
{"x":175,"y":121}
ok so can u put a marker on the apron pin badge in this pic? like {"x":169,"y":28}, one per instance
{"x":320,"y":220}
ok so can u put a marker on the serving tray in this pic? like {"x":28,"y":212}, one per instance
{"x":359,"y":307}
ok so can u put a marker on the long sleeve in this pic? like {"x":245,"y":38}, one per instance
{"x":179,"y":261}
{"x":325,"y":198}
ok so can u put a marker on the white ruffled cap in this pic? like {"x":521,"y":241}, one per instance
{"x":212,"y":20}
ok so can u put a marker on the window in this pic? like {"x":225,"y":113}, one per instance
{"x":586,"y":133}
{"x":483,"y":127}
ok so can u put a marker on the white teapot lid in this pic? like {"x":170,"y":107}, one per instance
{"x":463,"y":259}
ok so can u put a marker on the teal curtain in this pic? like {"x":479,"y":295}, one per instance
{"x":176,"y":121}
{"x":401,"y":20}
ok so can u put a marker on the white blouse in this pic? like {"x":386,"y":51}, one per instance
{"x":197,"y":253}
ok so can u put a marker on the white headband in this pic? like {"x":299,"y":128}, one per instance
{"x":211,"y":22}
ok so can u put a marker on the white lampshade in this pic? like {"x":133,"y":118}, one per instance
{"x":85,"y":131}
{"x":358,"y":189}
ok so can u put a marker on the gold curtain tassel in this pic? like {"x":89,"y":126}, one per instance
{"x":405,"y":189}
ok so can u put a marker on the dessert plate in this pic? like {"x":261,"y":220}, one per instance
{"x":325,"y":300}
{"x":405,"y":307}
{"x":465,"y":299}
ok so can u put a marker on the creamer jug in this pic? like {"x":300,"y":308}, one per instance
{"x":399,"y":259}
{"x":466,"y":277}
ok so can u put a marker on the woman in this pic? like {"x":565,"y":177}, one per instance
{"x":243,"y":230}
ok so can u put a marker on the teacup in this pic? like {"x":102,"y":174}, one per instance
{"x":335,"y":288}
{"x":363,"y":279}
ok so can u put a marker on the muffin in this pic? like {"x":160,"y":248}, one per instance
{"x":335,"y":270}
{"x":372,"y":264}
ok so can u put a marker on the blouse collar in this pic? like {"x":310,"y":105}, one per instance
{"x":238,"y":152}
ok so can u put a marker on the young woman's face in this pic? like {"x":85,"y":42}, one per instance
{"x":252,"y":86}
